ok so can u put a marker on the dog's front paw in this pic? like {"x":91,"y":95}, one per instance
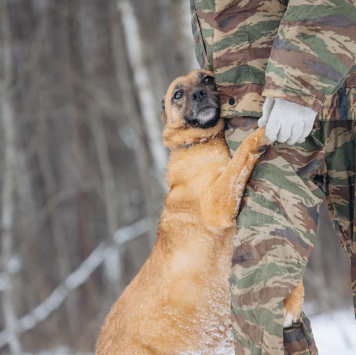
{"x":257,"y":142}
{"x":293,"y":305}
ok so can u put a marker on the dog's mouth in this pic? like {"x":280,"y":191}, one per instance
{"x":206,"y":114}
{"x":207,"y":117}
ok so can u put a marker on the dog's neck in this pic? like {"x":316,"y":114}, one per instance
{"x":200,"y":155}
{"x":178,"y":138}
{"x":203,"y":140}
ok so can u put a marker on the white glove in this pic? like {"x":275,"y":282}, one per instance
{"x":286,"y":121}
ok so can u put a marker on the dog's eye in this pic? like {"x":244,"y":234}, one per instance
{"x":178,"y":95}
{"x":208,"y":80}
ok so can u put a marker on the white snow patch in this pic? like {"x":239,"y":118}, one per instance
{"x":335,"y":332}
{"x":226,"y":348}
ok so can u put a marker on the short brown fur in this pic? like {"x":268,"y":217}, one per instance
{"x":179,"y":302}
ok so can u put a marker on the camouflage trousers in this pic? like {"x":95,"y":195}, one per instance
{"x":277,"y":225}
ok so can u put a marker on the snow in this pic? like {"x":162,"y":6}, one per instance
{"x":335,"y":332}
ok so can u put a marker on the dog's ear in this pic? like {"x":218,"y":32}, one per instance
{"x":163,"y":112}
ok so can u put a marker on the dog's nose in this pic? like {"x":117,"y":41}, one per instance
{"x":198,"y":94}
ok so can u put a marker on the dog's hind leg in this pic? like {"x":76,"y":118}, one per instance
{"x":293,"y":305}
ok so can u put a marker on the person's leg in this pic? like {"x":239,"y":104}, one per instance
{"x":299,"y":339}
{"x":341,"y":165}
{"x":277,"y":224}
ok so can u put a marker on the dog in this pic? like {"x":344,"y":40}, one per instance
{"x":179,"y":302}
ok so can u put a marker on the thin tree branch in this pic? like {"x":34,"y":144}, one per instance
{"x":77,"y":277}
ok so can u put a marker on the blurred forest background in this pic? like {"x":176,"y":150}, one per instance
{"x":82,"y":166}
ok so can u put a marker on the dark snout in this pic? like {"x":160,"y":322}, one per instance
{"x":198,"y":95}
{"x":205,"y":107}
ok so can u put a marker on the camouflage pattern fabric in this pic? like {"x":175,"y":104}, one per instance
{"x":277,"y":224}
{"x":303,"y":51}
{"x":313,"y":53}
{"x":313,"y":46}
{"x":298,"y":339}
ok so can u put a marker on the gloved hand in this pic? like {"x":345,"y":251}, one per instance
{"x":286,"y":121}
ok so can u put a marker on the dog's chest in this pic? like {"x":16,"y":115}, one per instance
{"x":201,"y":302}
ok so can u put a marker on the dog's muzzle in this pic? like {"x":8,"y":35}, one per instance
{"x":206,"y":110}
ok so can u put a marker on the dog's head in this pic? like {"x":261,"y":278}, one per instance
{"x":191,"y":109}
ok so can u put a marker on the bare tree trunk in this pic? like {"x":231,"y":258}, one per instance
{"x":183,"y":35}
{"x":132,"y":131}
{"x":142,"y":85}
{"x":8,"y":188}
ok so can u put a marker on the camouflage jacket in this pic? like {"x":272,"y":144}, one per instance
{"x":301,"y":50}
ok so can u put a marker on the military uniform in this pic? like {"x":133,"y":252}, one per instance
{"x":302,"y":51}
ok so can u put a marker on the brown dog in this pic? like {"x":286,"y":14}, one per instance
{"x":179,"y":302}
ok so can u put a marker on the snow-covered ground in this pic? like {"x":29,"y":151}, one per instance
{"x":335,"y":332}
